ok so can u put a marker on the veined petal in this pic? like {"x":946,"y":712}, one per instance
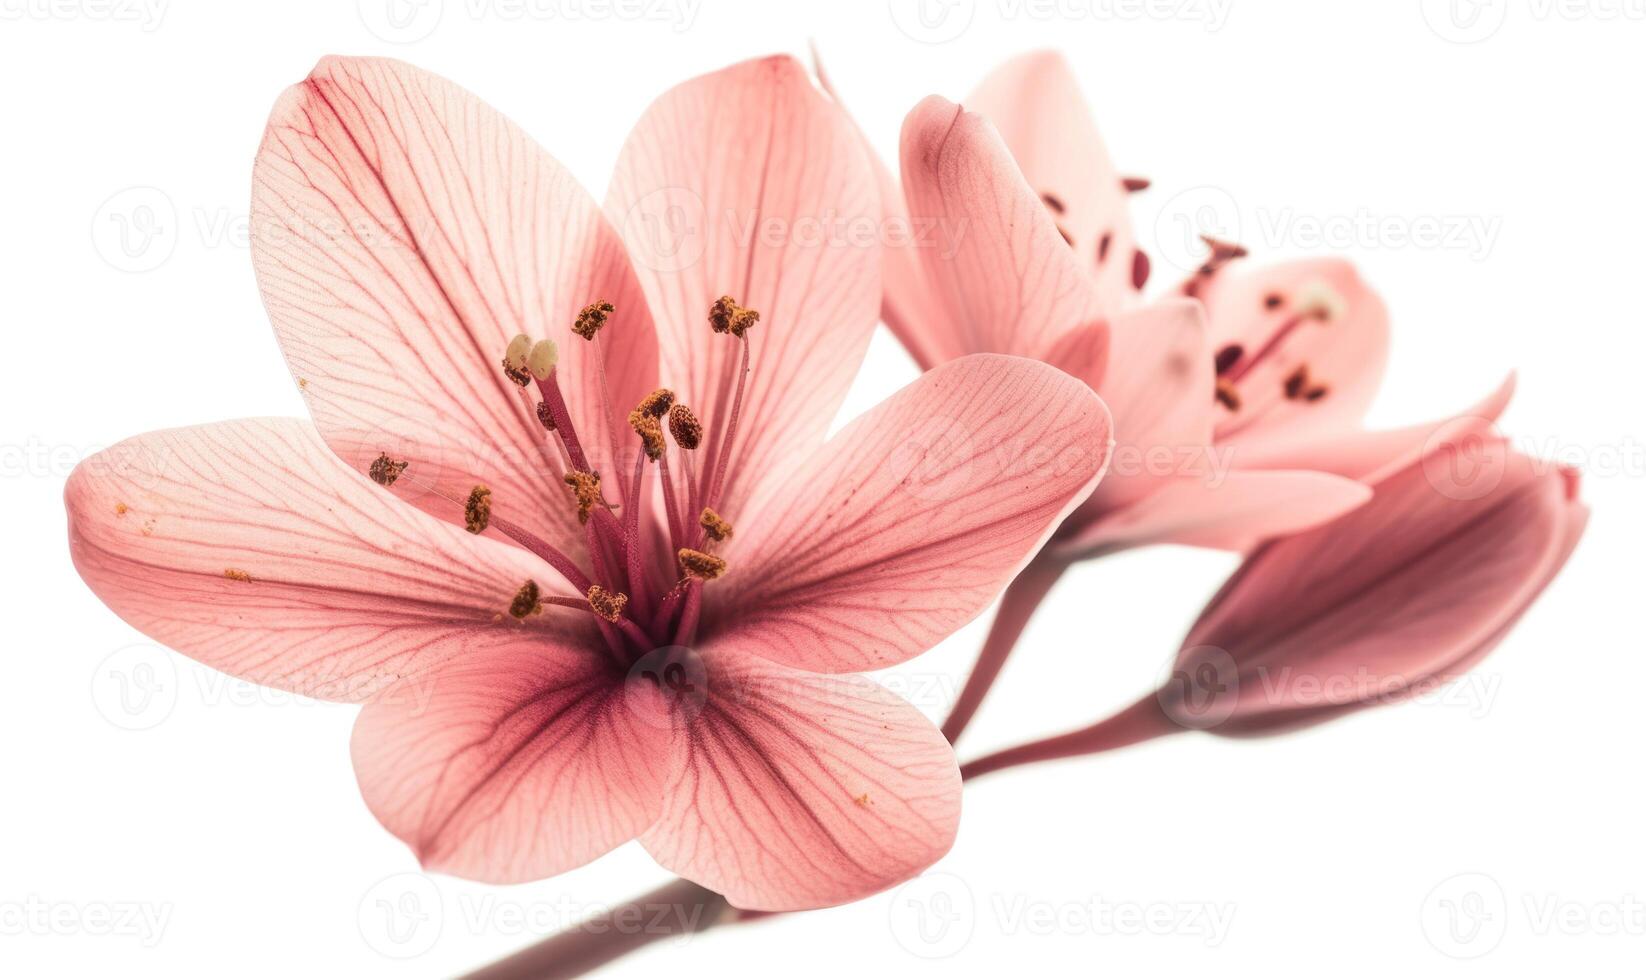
{"x":403,"y":232}
{"x":515,"y":766}
{"x":1004,"y":281}
{"x":800,"y":790}
{"x":1233,"y":511}
{"x":250,"y":547}
{"x":912,"y":518}
{"x":1035,"y":103}
{"x":750,"y":183}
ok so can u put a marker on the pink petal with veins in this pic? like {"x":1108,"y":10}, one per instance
{"x":749,"y":182}
{"x":248,"y":546}
{"x":403,"y":232}
{"x":1035,"y":103}
{"x":802,"y":790}
{"x":514,"y":766}
{"x":1005,"y":282}
{"x":911,"y":520}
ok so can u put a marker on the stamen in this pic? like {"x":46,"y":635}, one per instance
{"x":1135,"y":184}
{"x":1273,"y":301}
{"x":700,"y":565}
{"x":592,"y":318}
{"x":1140,"y":269}
{"x":1227,"y":396}
{"x":514,"y":360}
{"x":384,"y":471}
{"x":586,"y":488}
{"x":650,"y":432}
{"x":527,"y":602}
{"x":1228,"y":356}
{"x":1103,"y":245}
{"x":725,"y":316}
{"x":1296,"y":380}
{"x":545,"y":416}
{"x":542,"y":359}
{"x":607,"y":605}
{"x":1319,"y":300}
{"x":683,"y":425}
{"x":1053,"y":202}
{"x":657,"y":403}
{"x":715,"y":526}
{"x":477,"y":513}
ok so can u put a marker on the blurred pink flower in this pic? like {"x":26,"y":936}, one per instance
{"x":557,"y":652}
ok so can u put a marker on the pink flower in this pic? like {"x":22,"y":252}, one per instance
{"x":1398,"y":597}
{"x":599,"y":610}
{"x":1223,"y":393}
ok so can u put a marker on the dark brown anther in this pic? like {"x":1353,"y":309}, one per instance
{"x":545,"y":416}
{"x":519,"y":376}
{"x":1103,"y":245}
{"x":1140,"y":269}
{"x":1316,"y":393}
{"x":607,"y":605}
{"x":586,"y":489}
{"x":1273,"y":301}
{"x":1224,"y":251}
{"x":477,"y":513}
{"x":1297,"y":382}
{"x":700,"y":565}
{"x":650,"y":431}
{"x":1227,"y":396}
{"x":715,"y":526}
{"x":1135,"y":184}
{"x":1228,"y":357}
{"x":725,"y":316}
{"x":1053,"y":202}
{"x":384,"y":471}
{"x":683,"y":425}
{"x":591,"y":318}
{"x":657,"y":403}
{"x":527,"y":602}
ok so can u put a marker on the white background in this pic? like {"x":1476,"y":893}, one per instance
{"x":231,"y":813}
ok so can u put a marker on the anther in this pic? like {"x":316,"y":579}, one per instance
{"x":1296,"y":381}
{"x":526,"y":601}
{"x":1273,"y":301}
{"x":607,"y":605}
{"x":541,"y":360}
{"x":586,"y":488}
{"x":685,"y":428}
{"x":657,"y":403}
{"x":1103,"y":245}
{"x":1053,"y":202}
{"x":715,"y":526}
{"x":1227,"y":396}
{"x":1135,"y":184}
{"x":477,"y":513}
{"x":1140,"y":269}
{"x":545,"y":416}
{"x":700,"y":565}
{"x":1319,"y":300}
{"x":1067,"y":238}
{"x":591,"y":318}
{"x":649,"y":430}
{"x":384,"y":471}
{"x":514,"y":360}
{"x":1228,"y":357}
{"x":725,"y":316}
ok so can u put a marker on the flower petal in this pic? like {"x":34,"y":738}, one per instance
{"x":248,"y":546}
{"x":748,"y":182}
{"x":910,"y":521}
{"x":403,"y":232}
{"x":1004,"y":279}
{"x":1034,"y":101}
{"x":1233,"y":511}
{"x":514,"y":766}
{"x":1345,"y":356}
{"x":804,"y":790}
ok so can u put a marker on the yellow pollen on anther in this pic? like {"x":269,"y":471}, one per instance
{"x":1319,"y":300}
{"x":384,"y":471}
{"x":541,"y":360}
{"x":477,"y":512}
{"x":586,"y":489}
{"x":526,"y":601}
{"x":650,"y":432}
{"x":514,"y":360}
{"x":591,"y":318}
{"x":607,"y":605}
{"x":726,"y":316}
{"x":657,"y":403}
{"x":235,"y":574}
{"x":1227,"y":396}
{"x":701,"y":565}
{"x":715,"y":526}
{"x":683,"y":425}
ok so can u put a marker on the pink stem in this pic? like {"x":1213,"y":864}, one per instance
{"x":1017,"y":605}
{"x":713,"y":498}
{"x":563,"y":422}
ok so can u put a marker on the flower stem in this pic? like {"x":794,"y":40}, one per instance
{"x":679,"y":908}
{"x":1017,"y":605}
{"x":1139,"y":723}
